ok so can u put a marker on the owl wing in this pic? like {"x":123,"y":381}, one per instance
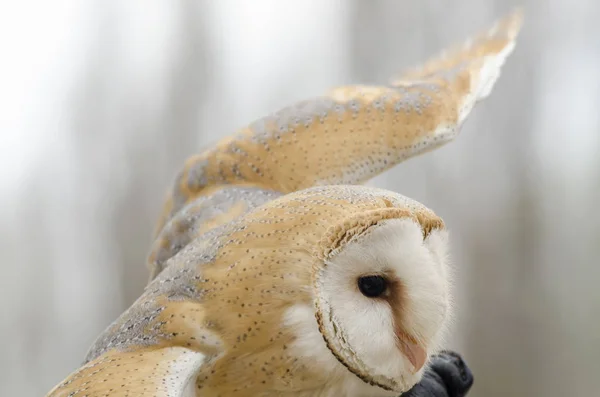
{"x":165,"y":372}
{"x":352,"y":133}
{"x":347,"y":136}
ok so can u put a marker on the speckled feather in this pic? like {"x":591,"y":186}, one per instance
{"x":250,"y":221}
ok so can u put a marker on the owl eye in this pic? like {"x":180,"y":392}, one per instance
{"x":372,"y":286}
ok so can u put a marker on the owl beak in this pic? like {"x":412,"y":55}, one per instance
{"x":415,"y":353}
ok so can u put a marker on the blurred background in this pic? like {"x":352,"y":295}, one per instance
{"x":102,"y":100}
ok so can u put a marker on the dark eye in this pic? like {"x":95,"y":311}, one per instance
{"x":372,"y":286}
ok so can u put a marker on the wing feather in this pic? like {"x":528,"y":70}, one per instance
{"x":165,"y":372}
{"x":353,"y":133}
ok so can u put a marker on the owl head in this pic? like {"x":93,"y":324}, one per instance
{"x":382,"y":298}
{"x":380,"y":290}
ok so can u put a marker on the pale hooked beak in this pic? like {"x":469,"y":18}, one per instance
{"x":415,"y":353}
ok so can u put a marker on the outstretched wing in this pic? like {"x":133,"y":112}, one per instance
{"x":352,"y":133}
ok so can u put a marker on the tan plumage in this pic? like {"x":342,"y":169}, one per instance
{"x":259,"y":229}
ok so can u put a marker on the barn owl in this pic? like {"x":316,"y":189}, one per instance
{"x":274,"y":272}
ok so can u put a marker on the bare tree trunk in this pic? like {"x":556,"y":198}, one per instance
{"x":173,"y":135}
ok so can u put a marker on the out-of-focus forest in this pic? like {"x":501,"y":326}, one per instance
{"x":102,"y":100}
